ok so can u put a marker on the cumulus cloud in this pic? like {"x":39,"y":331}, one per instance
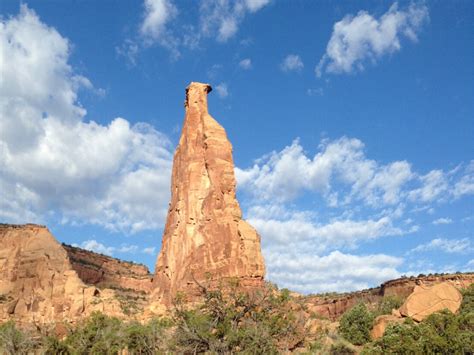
{"x":284,"y":175}
{"x":53,"y":162}
{"x":361,"y":38}
{"x":320,"y":237}
{"x":341,"y":173}
{"x":292,"y":62}
{"x":245,"y":64}
{"x":445,"y":245}
{"x":222,"y":90}
{"x":336,"y":271}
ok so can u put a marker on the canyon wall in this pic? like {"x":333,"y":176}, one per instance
{"x":38,"y":284}
{"x":107,"y":272}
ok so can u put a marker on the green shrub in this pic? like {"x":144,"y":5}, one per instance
{"x":230,"y":322}
{"x":341,"y":349}
{"x":355,"y":324}
{"x":99,"y":334}
{"x":467,"y":304}
{"x":388,"y":303}
{"x":14,"y":341}
{"x":440,"y":333}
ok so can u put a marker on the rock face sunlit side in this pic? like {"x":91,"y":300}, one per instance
{"x":205,"y":236}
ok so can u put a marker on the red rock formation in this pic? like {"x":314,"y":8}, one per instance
{"x":37,"y":282}
{"x":107,"y":272}
{"x":426,"y":300}
{"x":205,"y":235}
{"x":333,"y":307}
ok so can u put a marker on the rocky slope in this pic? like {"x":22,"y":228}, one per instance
{"x":107,"y":272}
{"x":333,"y":306}
{"x":205,"y":238}
{"x":38,"y":284}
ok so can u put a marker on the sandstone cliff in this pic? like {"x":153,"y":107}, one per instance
{"x":37,"y":282}
{"x":334,"y":306}
{"x":107,"y":272}
{"x":205,"y":236}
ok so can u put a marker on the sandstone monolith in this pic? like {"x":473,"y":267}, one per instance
{"x":205,"y":238}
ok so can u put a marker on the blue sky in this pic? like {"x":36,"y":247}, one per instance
{"x":352,"y":125}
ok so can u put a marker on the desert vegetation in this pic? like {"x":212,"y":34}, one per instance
{"x":268,"y":322}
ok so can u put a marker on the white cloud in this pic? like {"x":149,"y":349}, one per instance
{"x":434,"y":184}
{"x":442,"y":221}
{"x":222,"y":90}
{"x":465,"y":186}
{"x":320,"y":237}
{"x":445,"y":245}
{"x":96,"y":247}
{"x":53,"y":162}
{"x":306,"y":255}
{"x":157,"y":14}
{"x":245,"y":64}
{"x":284,"y":175}
{"x":336,"y":271}
{"x":292,"y":62}
{"x":358,"y":39}
{"x":221,"y":19}
{"x":149,"y":250}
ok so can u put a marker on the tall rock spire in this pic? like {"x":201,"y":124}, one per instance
{"x":205,"y":235}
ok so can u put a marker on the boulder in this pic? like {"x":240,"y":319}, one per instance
{"x":381,"y":323}
{"x":426,"y":300}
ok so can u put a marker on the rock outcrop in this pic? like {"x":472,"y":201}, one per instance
{"x":334,"y":306}
{"x":426,"y":300}
{"x":107,"y":272}
{"x":38,"y":284}
{"x":205,"y":238}
{"x":381,"y":323}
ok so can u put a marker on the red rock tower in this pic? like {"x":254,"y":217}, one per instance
{"x":205,"y":235}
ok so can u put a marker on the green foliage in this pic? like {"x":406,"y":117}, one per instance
{"x":231,"y":322}
{"x":146,"y":339}
{"x":101,"y":334}
{"x":388,"y":303}
{"x":467,"y":304}
{"x":14,"y":341}
{"x":355,"y":324}
{"x":340,"y":348}
{"x":98,"y":334}
{"x":54,"y":346}
{"x":440,"y":333}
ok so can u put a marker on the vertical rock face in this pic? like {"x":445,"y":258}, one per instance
{"x":205,"y":236}
{"x":107,"y":272}
{"x":37,"y":282}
